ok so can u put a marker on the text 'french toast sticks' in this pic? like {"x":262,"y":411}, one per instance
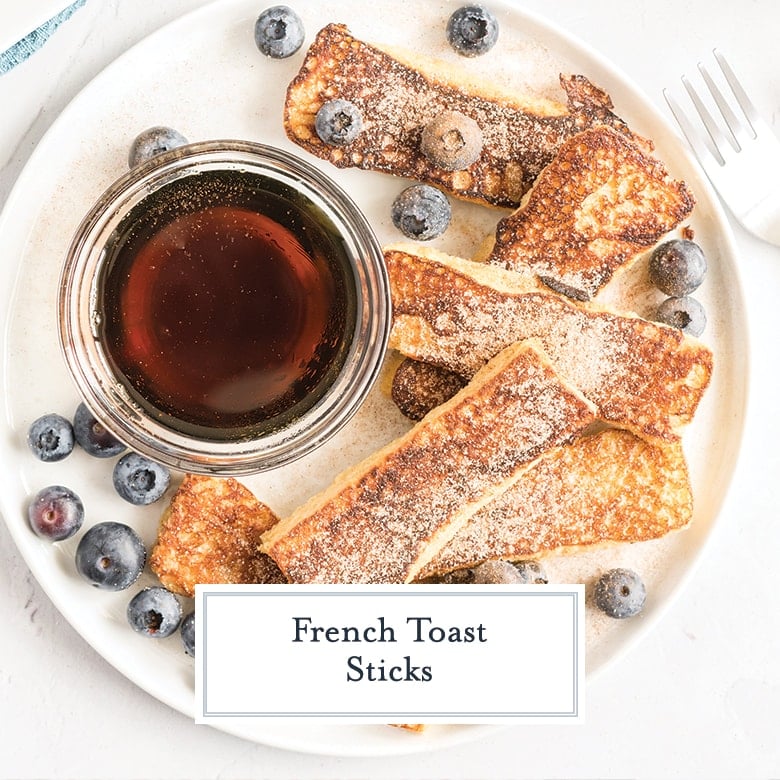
{"x":399,"y":93}
{"x":600,"y":202}
{"x":211,"y":534}
{"x":641,"y":375}
{"x":382,"y":520}
{"x":609,"y":487}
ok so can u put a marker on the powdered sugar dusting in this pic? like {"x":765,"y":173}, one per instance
{"x":399,"y":92}
{"x":458,"y":314}
{"x":383,"y":520}
{"x":607,"y":487}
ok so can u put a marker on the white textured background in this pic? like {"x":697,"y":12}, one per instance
{"x":697,"y":699}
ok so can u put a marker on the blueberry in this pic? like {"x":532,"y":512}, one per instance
{"x":685,"y":313}
{"x":677,"y":267}
{"x":472,"y":30}
{"x":279,"y":32}
{"x":421,"y":212}
{"x":496,"y":573}
{"x":457,"y":577}
{"x":620,"y":593}
{"x":531,"y":572}
{"x":55,"y":513}
{"x":154,"y":141}
{"x":338,"y":122}
{"x":111,"y":556}
{"x":154,"y":612}
{"x":187,"y":630}
{"x":140,"y":480}
{"x":452,"y":141}
{"x":92,"y":436}
{"x":51,"y":438}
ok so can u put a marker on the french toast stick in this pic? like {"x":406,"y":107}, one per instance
{"x":608,"y":487}
{"x":399,"y":93}
{"x":419,"y":387}
{"x":210,"y":533}
{"x":382,"y":520}
{"x":592,"y":210}
{"x":641,"y":375}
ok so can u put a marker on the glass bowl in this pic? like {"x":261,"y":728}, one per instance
{"x":224,"y":308}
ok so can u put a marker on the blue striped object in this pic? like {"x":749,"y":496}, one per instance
{"x":21,"y":50}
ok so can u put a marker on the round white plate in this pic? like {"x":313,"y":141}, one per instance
{"x":204,"y":76}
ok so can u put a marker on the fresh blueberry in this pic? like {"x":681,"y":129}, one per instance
{"x":452,"y":141}
{"x":154,"y":141}
{"x":279,"y":32}
{"x":51,"y":438}
{"x":472,"y":30}
{"x":111,"y":556}
{"x":338,"y":122}
{"x":620,"y":593}
{"x":685,"y":313}
{"x":92,"y":436}
{"x":496,"y":573}
{"x":457,"y":577}
{"x":187,"y":630}
{"x":55,"y":513}
{"x":421,"y":212}
{"x":140,"y":480}
{"x":677,"y":267}
{"x":531,"y":572}
{"x":154,"y":612}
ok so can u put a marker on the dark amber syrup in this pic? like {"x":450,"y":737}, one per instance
{"x":226,"y":304}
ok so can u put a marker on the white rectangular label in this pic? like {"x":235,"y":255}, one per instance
{"x":422,"y":654}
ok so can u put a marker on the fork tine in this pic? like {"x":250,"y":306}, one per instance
{"x":740,"y":159}
{"x":718,"y":137}
{"x":744,"y":101}
{"x":735,"y":127}
{"x":698,"y":143}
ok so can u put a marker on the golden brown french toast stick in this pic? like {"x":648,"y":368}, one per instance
{"x":454,"y":313}
{"x":399,"y":93}
{"x":382,"y":520}
{"x":600,"y":202}
{"x":604,"y":488}
{"x":210,"y":534}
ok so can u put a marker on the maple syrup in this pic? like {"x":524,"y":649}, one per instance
{"x":226,"y":304}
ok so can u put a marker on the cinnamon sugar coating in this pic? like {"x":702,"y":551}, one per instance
{"x":605,"y":488}
{"x":419,"y":387}
{"x":399,"y":93}
{"x":211,"y":534}
{"x":381,"y":521}
{"x":454,"y":313}
{"x":600,"y":202}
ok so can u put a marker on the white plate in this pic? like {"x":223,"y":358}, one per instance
{"x":204,"y":76}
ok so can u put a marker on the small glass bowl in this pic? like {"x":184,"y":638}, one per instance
{"x":119,"y":405}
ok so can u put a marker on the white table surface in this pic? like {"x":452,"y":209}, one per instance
{"x":698,"y":698}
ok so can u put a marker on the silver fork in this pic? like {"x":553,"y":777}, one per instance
{"x":742,"y":158}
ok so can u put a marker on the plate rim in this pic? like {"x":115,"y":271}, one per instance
{"x":575,"y":46}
